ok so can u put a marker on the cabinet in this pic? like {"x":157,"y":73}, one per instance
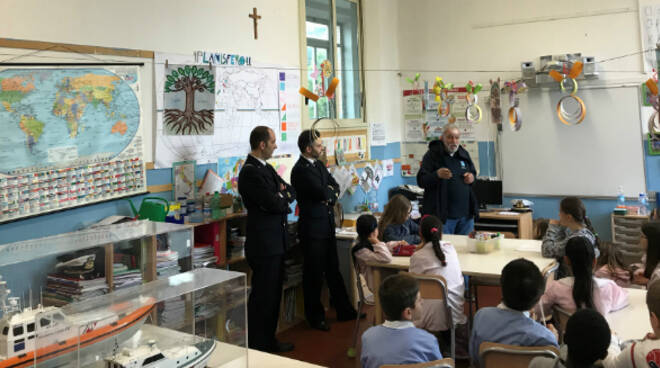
{"x":626,"y":231}
{"x":511,"y":224}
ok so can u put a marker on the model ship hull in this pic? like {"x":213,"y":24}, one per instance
{"x":63,"y":352}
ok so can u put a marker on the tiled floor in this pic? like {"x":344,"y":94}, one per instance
{"x":329,"y":349}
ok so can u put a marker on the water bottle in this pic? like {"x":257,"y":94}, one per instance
{"x":620,"y":198}
{"x":643,"y":204}
{"x":216,"y":211}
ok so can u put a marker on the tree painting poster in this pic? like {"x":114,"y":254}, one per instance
{"x":189,"y":100}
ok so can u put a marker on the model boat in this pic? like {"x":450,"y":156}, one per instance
{"x":46,"y":336}
{"x":150,"y":356}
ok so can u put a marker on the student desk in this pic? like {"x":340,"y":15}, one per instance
{"x":480,"y":265}
{"x":232,"y":356}
{"x":631,"y":322}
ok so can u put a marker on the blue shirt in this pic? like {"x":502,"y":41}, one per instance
{"x":408,"y":231}
{"x":506,"y":326}
{"x":397,"y":342}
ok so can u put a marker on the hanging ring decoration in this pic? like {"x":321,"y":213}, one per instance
{"x":440,"y":90}
{"x":571,"y":118}
{"x":515,"y":88}
{"x":473,"y":113}
{"x":654,"y":119}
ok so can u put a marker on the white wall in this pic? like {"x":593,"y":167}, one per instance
{"x":381,"y":63}
{"x":446,"y":37}
{"x":160,"y":25}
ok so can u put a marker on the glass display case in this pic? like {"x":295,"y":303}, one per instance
{"x":133,"y":327}
{"x":64,"y":268}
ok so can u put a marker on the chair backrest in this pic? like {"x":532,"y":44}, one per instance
{"x":442,"y":363}
{"x":431,"y":286}
{"x":358,"y":281}
{"x":493,"y":355}
{"x":548,"y":271}
{"x":561,"y":316}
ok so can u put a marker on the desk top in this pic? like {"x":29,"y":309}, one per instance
{"x":484,"y":265}
{"x":232,"y":356}
{"x":631,"y":322}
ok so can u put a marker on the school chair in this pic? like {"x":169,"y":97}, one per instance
{"x":561,"y":316}
{"x":442,"y":363}
{"x":494,"y":355}
{"x":352,"y":350}
{"x":549,"y":271}
{"x":434,"y":287}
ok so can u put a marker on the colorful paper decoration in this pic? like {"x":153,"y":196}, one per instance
{"x":569,"y":83}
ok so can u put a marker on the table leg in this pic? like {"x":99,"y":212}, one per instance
{"x":375,"y":272}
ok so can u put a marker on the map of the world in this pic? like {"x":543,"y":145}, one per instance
{"x":53,"y":117}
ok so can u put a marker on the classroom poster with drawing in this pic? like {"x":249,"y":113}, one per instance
{"x":183,"y":180}
{"x":188,"y":100}
{"x":228,"y":170}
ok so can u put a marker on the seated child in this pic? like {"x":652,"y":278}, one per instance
{"x":649,"y":269}
{"x":398,"y":341}
{"x":510,"y":323}
{"x":586,"y":339}
{"x":644,"y":353}
{"x":610,"y":265}
{"x":396,"y":224}
{"x":572,"y":222}
{"x":540,"y":228}
{"x":582,"y":290}
{"x":369,"y":248}
{"x":437,"y":257}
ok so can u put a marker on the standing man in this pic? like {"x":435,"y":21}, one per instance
{"x":267,"y":198}
{"x":317,"y":194}
{"x":447,"y":174}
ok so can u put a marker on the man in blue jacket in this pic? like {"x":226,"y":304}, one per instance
{"x":447,"y":174}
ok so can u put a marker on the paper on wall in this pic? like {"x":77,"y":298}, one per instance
{"x":472,"y":147}
{"x":388,"y":167}
{"x":378,"y":176}
{"x":343,"y":177}
{"x":211,"y":183}
{"x":412,"y":105}
{"x":414,"y":130}
{"x":378,"y":134}
{"x":355,"y":179}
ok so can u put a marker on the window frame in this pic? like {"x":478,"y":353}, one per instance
{"x":306,"y":121}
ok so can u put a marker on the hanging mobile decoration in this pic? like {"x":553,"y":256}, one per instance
{"x":440,"y":89}
{"x":473,"y":111}
{"x":514,"y":88}
{"x":321,"y":75}
{"x":494,"y":102}
{"x":568,"y":84}
{"x":415,"y":81}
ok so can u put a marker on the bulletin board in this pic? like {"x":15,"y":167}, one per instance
{"x":353,"y":142}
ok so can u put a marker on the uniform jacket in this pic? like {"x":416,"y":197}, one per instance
{"x":267,"y":206}
{"x":317,"y":191}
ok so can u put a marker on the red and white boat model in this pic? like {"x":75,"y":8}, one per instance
{"x":46,"y":337}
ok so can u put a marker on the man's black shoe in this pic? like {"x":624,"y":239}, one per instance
{"x":323,"y":326}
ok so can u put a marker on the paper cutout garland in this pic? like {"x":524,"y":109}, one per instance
{"x":440,"y":89}
{"x":494,"y":101}
{"x":473,"y":112}
{"x":514,"y":88}
{"x":568,"y":118}
{"x":653,"y":123}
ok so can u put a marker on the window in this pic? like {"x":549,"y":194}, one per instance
{"x":18,"y":330}
{"x":43,"y":322}
{"x":5,"y":330}
{"x":332,"y":31}
{"x":31,"y":327}
{"x":152,"y":359}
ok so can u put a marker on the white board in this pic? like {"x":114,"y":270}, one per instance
{"x":593,"y":158}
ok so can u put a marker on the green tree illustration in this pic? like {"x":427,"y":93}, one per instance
{"x":190,"y":80}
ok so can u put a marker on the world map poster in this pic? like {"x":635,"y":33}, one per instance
{"x":70,"y":136}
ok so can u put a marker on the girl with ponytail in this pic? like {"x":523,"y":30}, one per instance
{"x":437,"y":257}
{"x":583,"y":289}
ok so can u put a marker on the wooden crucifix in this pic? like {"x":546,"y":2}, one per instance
{"x":255,"y":18}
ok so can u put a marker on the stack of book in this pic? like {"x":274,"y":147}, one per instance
{"x":167,"y":263}
{"x":61,"y":289}
{"x":75,"y":279}
{"x":203,"y":255}
{"x":126,"y":271}
{"x":171,"y":313}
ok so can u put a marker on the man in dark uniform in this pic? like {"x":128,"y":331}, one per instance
{"x":267,"y":198}
{"x":317,"y":193}
{"x":447,"y":174}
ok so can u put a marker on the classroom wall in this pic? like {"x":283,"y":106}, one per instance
{"x":214,"y":25}
{"x":482,"y":40}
